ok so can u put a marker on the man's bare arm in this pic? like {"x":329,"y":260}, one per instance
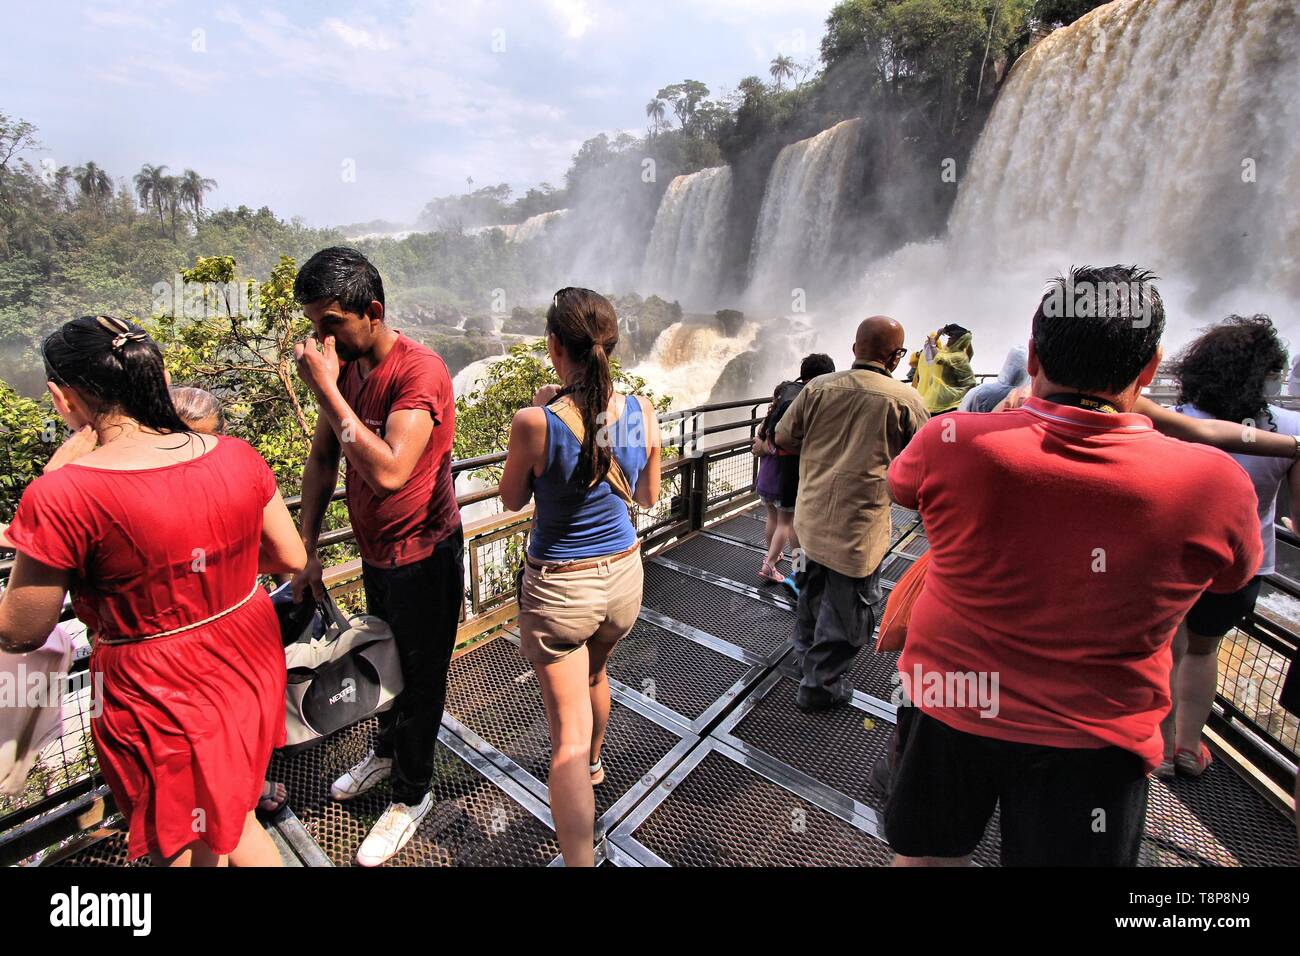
{"x":386,"y":463}
{"x":1228,"y":436}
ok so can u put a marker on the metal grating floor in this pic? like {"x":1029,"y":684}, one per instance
{"x":107,"y":848}
{"x":743,"y":621}
{"x":684,"y":676}
{"x":473,"y":822}
{"x":1216,"y":820}
{"x":728,"y":560}
{"x":749,"y":528}
{"x":723,"y":813}
{"x":835,"y":748}
{"x":493,"y":693}
{"x":875,"y":674}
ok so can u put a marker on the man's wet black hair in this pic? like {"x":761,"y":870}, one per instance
{"x":818,"y":363}
{"x":341,"y":273}
{"x":1096,"y":328}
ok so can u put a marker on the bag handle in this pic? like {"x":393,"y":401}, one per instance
{"x":331,"y":614}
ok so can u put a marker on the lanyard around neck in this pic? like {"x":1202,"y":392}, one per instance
{"x":1089,"y":402}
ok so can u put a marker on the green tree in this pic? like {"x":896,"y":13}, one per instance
{"x":29,"y":432}
{"x":193,"y":188}
{"x":245,"y":356}
{"x":923,"y":54}
{"x":94,"y":183}
{"x":782,"y":68}
{"x":1054,"y":12}
{"x":655,"y":111}
{"x":684,"y":97}
{"x":152,"y":188}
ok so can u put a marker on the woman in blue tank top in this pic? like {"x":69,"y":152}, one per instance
{"x":585,"y":454}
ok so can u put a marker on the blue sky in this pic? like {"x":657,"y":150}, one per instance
{"x":274,"y":100}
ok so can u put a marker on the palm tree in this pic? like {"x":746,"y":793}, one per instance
{"x":192,"y":189}
{"x":171,"y":197}
{"x":151,"y":187}
{"x":94,"y":183}
{"x":655,"y":111}
{"x":782,"y":68}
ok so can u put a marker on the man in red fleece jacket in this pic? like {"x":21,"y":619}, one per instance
{"x":1068,"y":538}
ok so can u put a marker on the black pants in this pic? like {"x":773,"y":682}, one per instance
{"x":1060,"y":806}
{"x":835,"y":617}
{"x":421,"y":603}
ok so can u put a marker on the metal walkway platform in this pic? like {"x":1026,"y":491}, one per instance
{"x":708,"y":761}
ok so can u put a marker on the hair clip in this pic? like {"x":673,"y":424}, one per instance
{"x":122,"y":331}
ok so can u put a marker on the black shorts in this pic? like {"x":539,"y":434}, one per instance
{"x":1060,"y":807}
{"x":787,"y":470}
{"x":1214,"y":615}
{"x":1290,"y":694}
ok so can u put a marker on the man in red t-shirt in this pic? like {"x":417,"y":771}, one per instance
{"x":386,"y":404}
{"x":1068,"y":538}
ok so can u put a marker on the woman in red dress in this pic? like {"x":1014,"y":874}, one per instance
{"x":159,"y":533}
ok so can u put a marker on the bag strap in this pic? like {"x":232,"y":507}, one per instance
{"x":568,"y":413}
{"x":332,"y":615}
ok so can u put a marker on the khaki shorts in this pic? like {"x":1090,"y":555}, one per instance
{"x":560,"y":611}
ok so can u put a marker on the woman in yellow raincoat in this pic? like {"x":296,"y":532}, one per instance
{"x":943,"y":371}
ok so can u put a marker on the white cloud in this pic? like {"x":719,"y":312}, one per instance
{"x":356,"y":37}
{"x":575,"y":15}
{"x":423,"y":93}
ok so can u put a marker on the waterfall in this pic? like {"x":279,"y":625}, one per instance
{"x":473,"y":375}
{"x":684,"y":258}
{"x":1152,"y":131}
{"x":534,"y":227}
{"x":687,"y":359}
{"x":799,"y":238}
{"x":1159,"y":132}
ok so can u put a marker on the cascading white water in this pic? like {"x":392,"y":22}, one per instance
{"x":1159,"y":132}
{"x":534,"y":227}
{"x":684,"y":258}
{"x":799,"y":220}
{"x":687,"y":358}
{"x":472,"y":375}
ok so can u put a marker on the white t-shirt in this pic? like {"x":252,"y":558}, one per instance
{"x":1266,"y":473}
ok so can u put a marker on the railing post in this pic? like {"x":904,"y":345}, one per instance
{"x":699,"y":477}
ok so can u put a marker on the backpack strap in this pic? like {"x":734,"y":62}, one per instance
{"x":568,"y":413}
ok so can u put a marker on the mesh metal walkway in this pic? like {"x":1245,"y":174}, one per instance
{"x":708,"y":761}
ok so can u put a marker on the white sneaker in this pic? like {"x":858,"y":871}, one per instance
{"x":393,"y":829}
{"x":370,"y":771}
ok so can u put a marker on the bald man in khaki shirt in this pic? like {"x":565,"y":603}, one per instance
{"x":846,"y":427}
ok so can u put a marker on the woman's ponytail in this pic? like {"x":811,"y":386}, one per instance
{"x":587,"y":327}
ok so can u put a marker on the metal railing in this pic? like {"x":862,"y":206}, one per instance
{"x":706,"y":471}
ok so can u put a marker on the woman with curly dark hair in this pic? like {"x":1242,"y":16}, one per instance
{"x":1228,"y":373}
